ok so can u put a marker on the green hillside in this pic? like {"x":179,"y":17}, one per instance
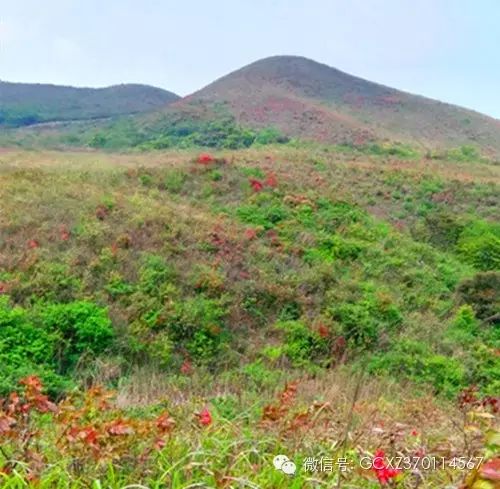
{"x":23,"y":104}
{"x":310,"y":301}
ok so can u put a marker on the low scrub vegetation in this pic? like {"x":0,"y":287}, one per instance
{"x":218,"y":295}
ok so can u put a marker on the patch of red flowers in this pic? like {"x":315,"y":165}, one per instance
{"x":205,"y":158}
{"x":64,"y":233}
{"x":491,"y":470}
{"x":271,"y":180}
{"x":382,"y":471}
{"x":3,"y":288}
{"x":33,"y":243}
{"x":250,"y":234}
{"x":256,"y":185}
{"x":204,"y":417}
{"x":186,"y":368}
{"x":323,"y":331}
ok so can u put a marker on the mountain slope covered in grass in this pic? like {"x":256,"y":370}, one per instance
{"x":303,"y":98}
{"x":24,"y":104}
{"x":311,"y":302}
{"x":274,"y":100}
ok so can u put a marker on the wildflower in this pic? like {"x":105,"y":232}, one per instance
{"x":186,"y":367}
{"x":384,"y":474}
{"x":257,"y":185}
{"x":33,"y":243}
{"x":205,"y":159}
{"x":323,"y":331}
{"x":250,"y":234}
{"x":271,"y":180}
{"x":491,"y":470}
{"x":205,"y":417}
{"x":3,"y":288}
{"x":414,"y":433}
{"x":64,"y":233}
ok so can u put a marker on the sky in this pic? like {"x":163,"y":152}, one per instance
{"x":444,"y":49}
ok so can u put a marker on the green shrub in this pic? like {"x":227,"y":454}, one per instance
{"x":260,"y":375}
{"x":154,"y":275}
{"x":465,"y":327}
{"x":83,"y":327}
{"x":27,"y":348}
{"x":197,"y":324}
{"x":174,"y":180}
{"x":415,"y":361}
{"x":267,"y":213}
{"x":302,"y":345}
{"x":482,"y":292}
{"x":479,"y":244}
{"x":441,"y":229}
{"x":364,"y":321}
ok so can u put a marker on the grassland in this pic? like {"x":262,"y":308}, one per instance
{"x":314,"y":301}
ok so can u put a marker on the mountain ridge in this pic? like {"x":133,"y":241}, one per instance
{"x":304,"y":98}
{"x":23,"y":104}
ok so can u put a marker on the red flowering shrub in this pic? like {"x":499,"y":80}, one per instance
{"x":384,"y":473}
{"x":271,"y":180}
{"x":256,"y":185}
{"x":64,"y":233}
{"x":323,"y":331}
{"x":204,"y":417}
{"x":250,"y":234}
{"x":187,"y":367}
{"x":33,"y":243}
{"x":205,"y":159}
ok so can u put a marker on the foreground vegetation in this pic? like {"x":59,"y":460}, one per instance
{"x":250,"y":268}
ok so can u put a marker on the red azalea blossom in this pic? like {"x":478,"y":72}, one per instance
{"x":205,"y":417}
{"x":186,"y":367}
{"x":384,"y":474}
{"x":64,"y":233}
{"x":250,"y":234}
{"x":271,"y":180}
{"x":205,"y":159}
{"x":33,"y":243}
{"x":491,"y":470}
{"x":257,"y":185}
{"x":323,"y":331}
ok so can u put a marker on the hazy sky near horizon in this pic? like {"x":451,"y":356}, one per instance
{"x":444,"y":49}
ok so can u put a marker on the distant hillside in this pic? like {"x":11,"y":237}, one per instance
{"x":23,"y":104}
{"x":303,"y":98}
{"x":271,"y":100}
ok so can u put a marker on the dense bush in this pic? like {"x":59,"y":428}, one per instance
{"x":416,"y":361}
{"x":82,"y":327}
{"x":223,"y":133}
{"x":302,"y":345}
{"x":479,"y":244}
{"x":49,"y":340}
{"x":482,"y":292}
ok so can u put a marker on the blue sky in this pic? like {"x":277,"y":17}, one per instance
{"x":444,"y":49}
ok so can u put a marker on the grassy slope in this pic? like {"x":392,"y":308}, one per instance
{"x":339,"y":241}
{"x":24,"y":104}
{"x":306,"y":99}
